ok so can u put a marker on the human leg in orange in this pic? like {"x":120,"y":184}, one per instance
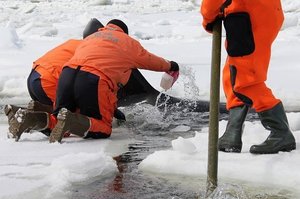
{"x":244,"y":77}
{"x":85,"y":99}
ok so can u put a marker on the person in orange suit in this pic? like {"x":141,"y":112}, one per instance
{"x":251,"y":27}
{"x":42,"y":82}
{"x":90,"y":80}
{"x":86,"y":95}
{"x":43,"y":79}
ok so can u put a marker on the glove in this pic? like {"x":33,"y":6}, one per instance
{"x":174,"y":71}
{"x":174,"y":66}
{"x":170,"y":77}
{"x":119,"y":115}
{"x":210,"y":26}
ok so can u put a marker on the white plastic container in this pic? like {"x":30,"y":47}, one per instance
{"x":166,"y":81}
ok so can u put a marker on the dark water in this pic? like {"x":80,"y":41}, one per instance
{"x":151,"y":130}
{"x":131,"y":183}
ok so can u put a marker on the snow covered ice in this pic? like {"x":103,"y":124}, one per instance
{"x":33,"y":168}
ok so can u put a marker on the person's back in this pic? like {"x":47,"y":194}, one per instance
{"x":47,"y":69}
{"x":113,"y":54}
{"x":54,"y":59}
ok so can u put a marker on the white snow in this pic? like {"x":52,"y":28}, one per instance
{"x":33,"y":168}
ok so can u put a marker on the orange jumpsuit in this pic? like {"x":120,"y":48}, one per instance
{"x":244,"y":75}
{"x":49,"y":66}
{"x":111,"y":55}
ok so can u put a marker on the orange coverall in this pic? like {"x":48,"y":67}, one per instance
{"x":244,"y":75}
{"x":49,"y":66}
{"x":111,"y":55}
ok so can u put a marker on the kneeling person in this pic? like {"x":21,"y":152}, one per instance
{"x":90,"y":80}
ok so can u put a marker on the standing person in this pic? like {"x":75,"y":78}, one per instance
{"x":251,"y":27}
{"x":42,"y":84}
{"x":90,"y":80}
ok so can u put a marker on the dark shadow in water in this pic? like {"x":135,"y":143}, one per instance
{"x":150,"y":135}
{"x":130,"y":183}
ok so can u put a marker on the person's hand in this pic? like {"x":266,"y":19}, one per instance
{"x":174,"y":66}
{"x":210,"y":26}
{"x":170,"y":77}
{"x":119,"y":115}
{"x":174,"y":71}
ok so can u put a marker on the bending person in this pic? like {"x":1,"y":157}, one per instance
{"x":91,"y":79}
{"x":42,"y":84}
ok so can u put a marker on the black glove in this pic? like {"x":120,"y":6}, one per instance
{"x":209,"y":27}
{"x":119,"y":115}
{"x":174,"y":66}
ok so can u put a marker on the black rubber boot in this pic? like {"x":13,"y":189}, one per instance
{"x":231,"y":141}
{"x":37,"y":106}
{"x":28,"y":120}
{"x":280,"y":138}
{"x":68,"y":122}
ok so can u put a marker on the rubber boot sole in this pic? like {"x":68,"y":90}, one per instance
{"x":230,"y":148}
{"x":59,"y":130}
{"x":285,"y":148}
{"x":12,"y":121}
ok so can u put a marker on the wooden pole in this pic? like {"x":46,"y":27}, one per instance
{"x":212,"y":167}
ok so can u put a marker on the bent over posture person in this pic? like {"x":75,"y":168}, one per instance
{"x":43,"y":79}
{"x":89,"y":82}
{"x":42,"y":84}
{"x":251,"y":27}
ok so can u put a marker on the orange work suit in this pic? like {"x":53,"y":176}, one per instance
{"x":244,"y":74}
{"x":49,"y":66}
{"x":111,"y":55}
